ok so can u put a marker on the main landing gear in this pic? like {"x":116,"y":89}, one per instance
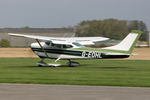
{"x":69,"y":63}
{"x":72,"y":63}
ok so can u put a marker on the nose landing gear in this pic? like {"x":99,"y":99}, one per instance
{"x":41,"y":63}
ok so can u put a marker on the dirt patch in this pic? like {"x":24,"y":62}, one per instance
{"x":16,"y":52}
{"x":138,"y":53}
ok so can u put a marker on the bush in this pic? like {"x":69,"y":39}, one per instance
{"x":4,"y":43}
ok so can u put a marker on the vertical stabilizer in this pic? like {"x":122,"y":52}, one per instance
{"x":128,"y":43}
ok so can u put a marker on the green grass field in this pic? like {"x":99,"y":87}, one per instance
{"x":91,"y":72}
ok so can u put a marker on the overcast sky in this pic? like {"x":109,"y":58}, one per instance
{"x":60,"y":13}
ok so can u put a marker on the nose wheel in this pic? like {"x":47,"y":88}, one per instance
{"x":41,"y":63}
{"x":72,"y":63}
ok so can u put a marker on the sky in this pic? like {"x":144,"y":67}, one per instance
{"x":63,"y":13}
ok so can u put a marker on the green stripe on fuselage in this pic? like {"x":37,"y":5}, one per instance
{"x":83,"y":53}
{"x":99,"y":50}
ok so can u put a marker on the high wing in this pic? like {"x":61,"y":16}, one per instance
{"x":81,"y":40}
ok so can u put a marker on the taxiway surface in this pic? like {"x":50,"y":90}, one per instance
{"x":68,"y":92}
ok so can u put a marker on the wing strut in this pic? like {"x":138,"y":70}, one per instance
{"x":58,"y":58}
{"x":42,"y":47}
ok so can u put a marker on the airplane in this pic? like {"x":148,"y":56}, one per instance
{"x":73,"y":48}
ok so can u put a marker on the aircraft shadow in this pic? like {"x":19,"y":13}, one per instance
{"x":34,"y":66}
{"x":109,"y":67}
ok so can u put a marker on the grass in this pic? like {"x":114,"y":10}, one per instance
{"x":91,"y":72}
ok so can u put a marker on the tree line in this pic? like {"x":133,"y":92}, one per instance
{"x":112,"y":28}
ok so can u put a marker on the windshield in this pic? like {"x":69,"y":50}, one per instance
{"x":47,"y":42}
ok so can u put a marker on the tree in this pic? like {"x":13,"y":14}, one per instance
{"x":112,"y":28}
{"x":4,"y":43}
{"x":139,"y":25}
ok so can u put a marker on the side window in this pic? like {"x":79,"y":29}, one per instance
{"x":67,"y":46}
{"x":56,"y":45}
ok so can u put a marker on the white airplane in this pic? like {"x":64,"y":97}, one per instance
{"x":72,"y":48}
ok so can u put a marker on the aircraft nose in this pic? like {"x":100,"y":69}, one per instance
{"x":34,"y":45}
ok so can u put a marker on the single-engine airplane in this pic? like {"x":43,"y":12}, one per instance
{"x":73,"y":48}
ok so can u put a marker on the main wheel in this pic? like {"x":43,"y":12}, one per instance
{"x":41,"y":64}
{"x":73,"y":64}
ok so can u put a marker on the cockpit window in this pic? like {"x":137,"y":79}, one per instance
{"x":77,"y":44}
{"x":47,"y":42}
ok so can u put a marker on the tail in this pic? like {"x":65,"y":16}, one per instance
{"x":127,"y":44}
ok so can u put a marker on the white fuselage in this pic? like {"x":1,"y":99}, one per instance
{"x":60,"y":51}
{"x":53,"y":52}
